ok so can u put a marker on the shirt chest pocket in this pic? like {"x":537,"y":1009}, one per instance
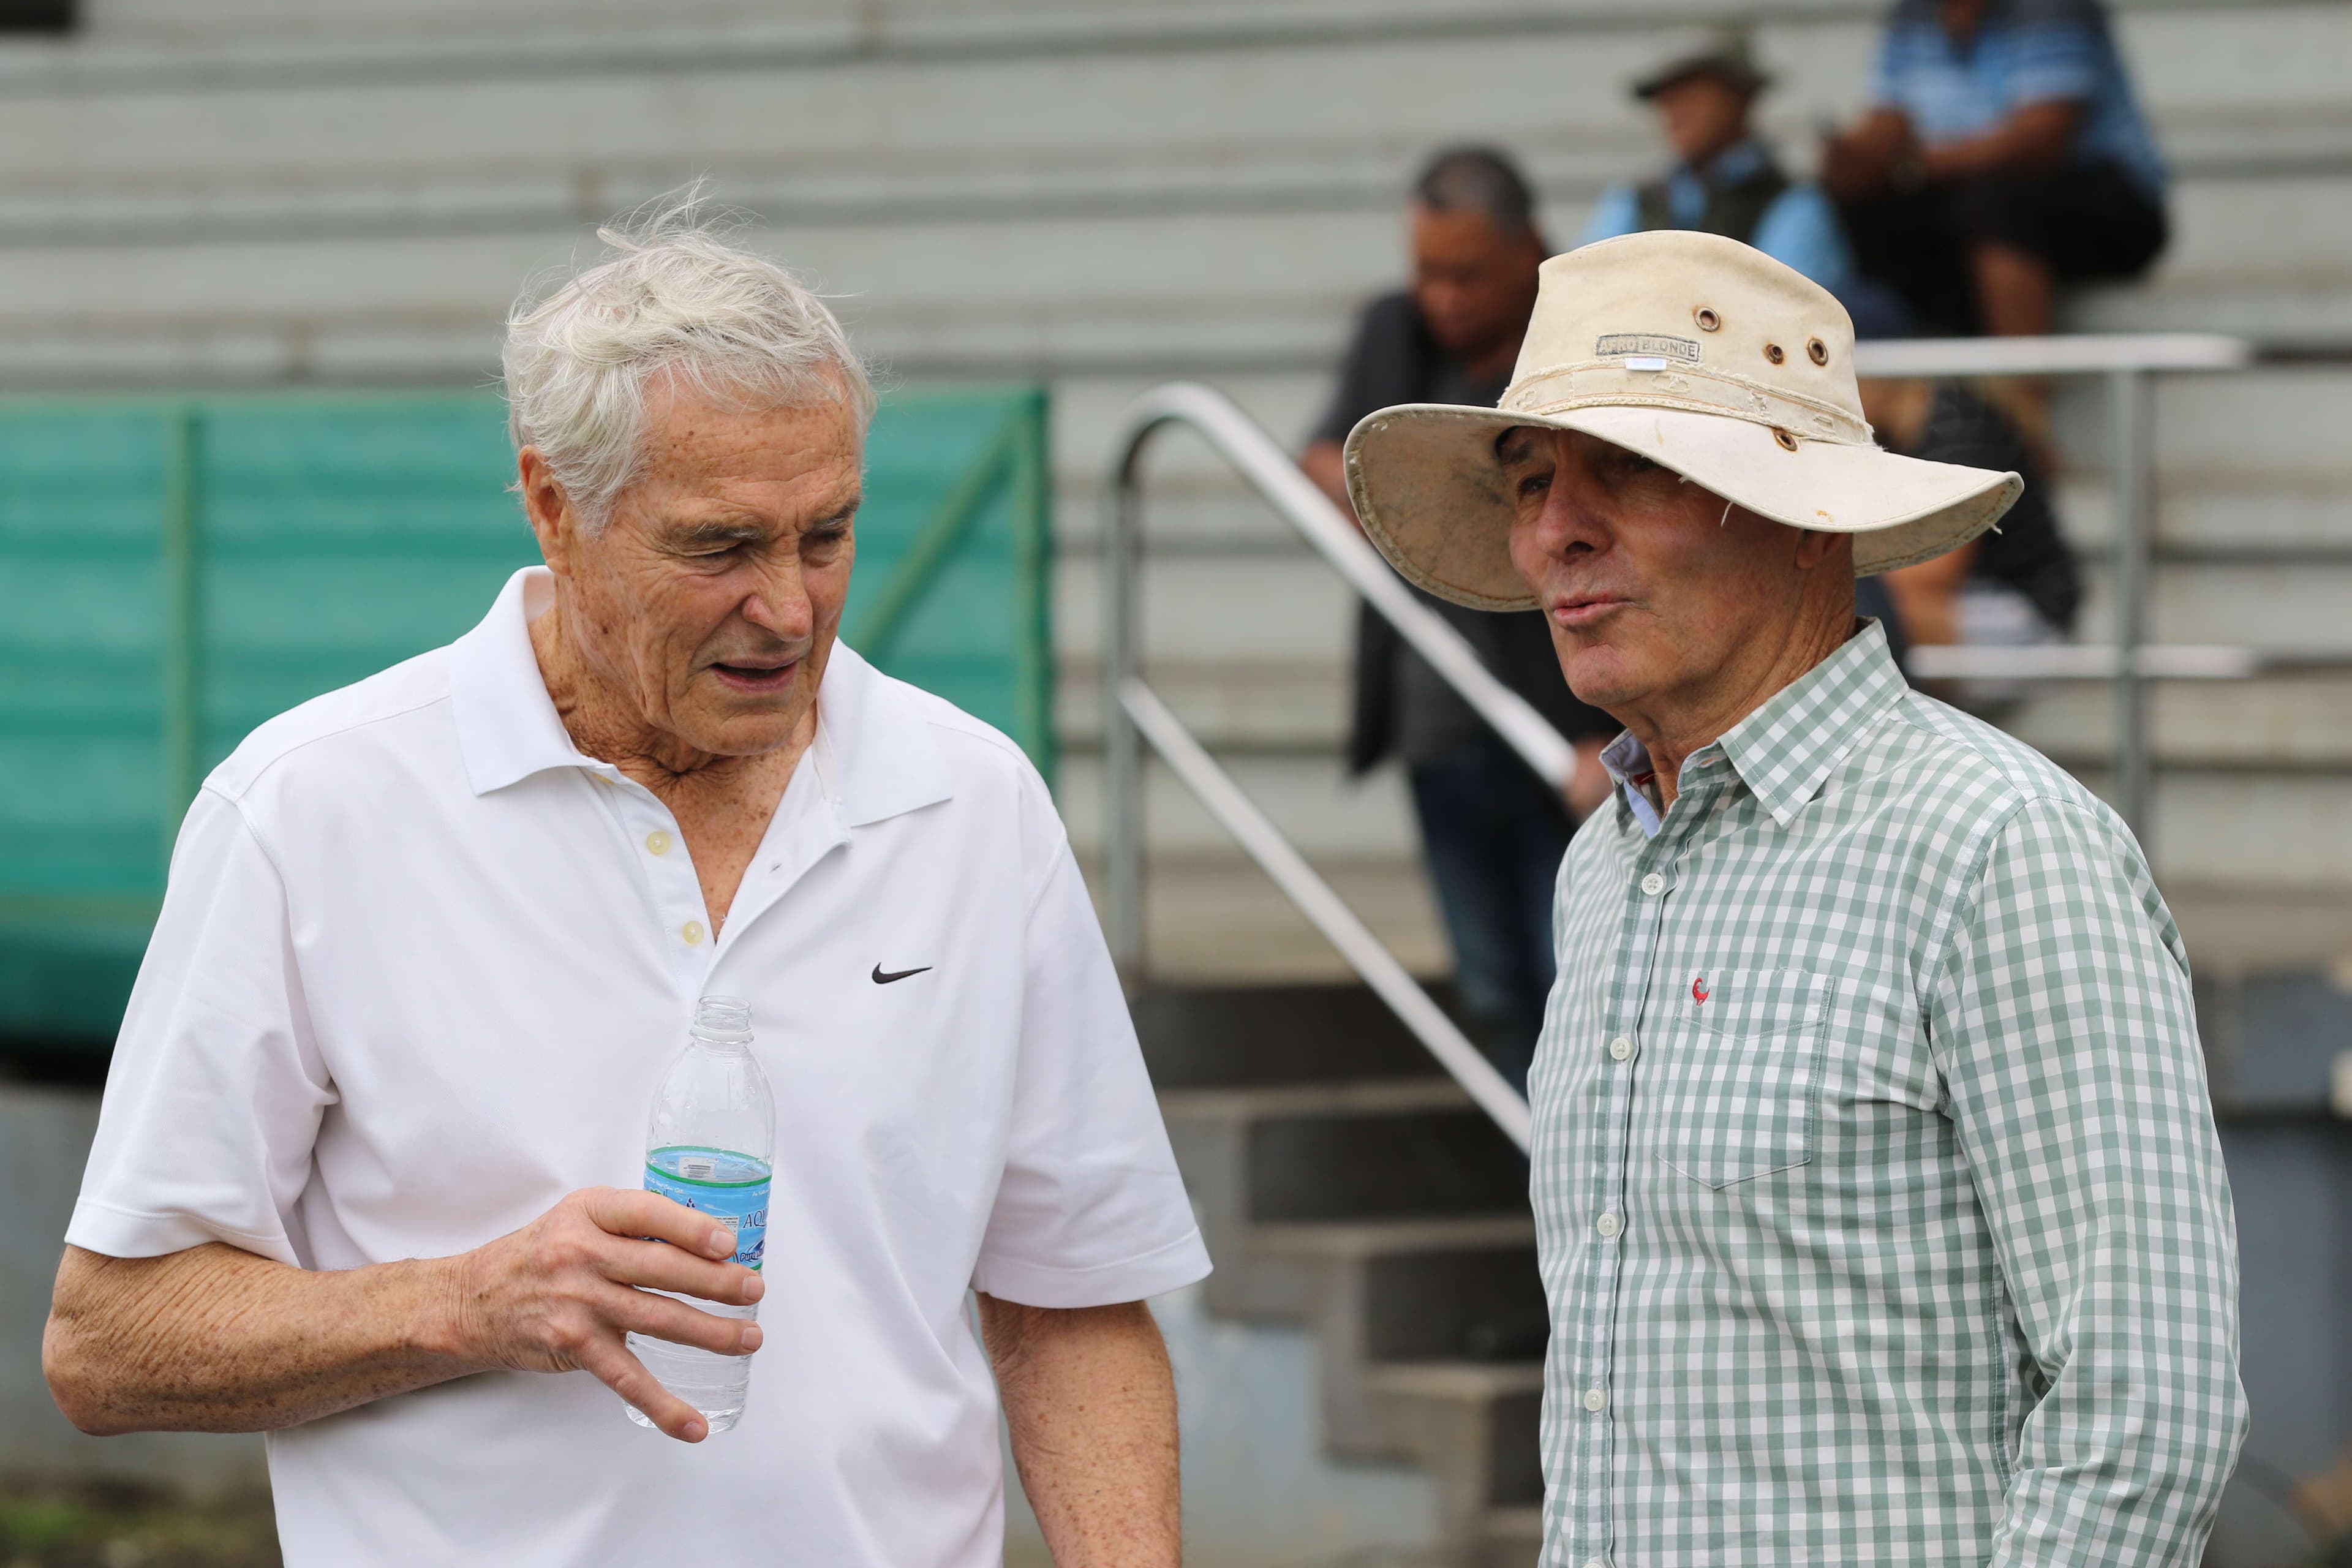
{"x":1735,"y":1072}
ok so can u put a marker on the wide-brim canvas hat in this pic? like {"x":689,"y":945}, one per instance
{"x":1705,"y":356}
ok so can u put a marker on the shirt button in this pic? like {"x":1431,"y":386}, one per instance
{"x":692,"y":933}
{"x":1609,"y":1225}
{"x":1621,"y":1048}
{"x":1595,"y":1401}
{"x":1654,"y":884}
{"x":658,"y":842}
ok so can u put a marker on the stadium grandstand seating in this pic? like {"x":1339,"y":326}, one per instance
{"x":227,"y":193}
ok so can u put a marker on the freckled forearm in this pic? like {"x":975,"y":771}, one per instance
{"x":216,"y":1339}
{"x":1091,"y":1407}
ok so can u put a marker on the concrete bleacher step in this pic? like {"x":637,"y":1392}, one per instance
{"x":1388,"y":1148}
{"x":285,"y":192}
{"x":1510,"y":1538}
{"x":1272,"y":1034}
{"x":267,"y":191}
{"x":1475,"y":1428}
{"x":1345,"y":1186}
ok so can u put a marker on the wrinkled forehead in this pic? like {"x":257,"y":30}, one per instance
{"x":724,"y":455}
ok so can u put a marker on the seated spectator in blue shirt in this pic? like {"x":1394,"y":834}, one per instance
{"x":1724,"y":179}
{"x":2003,"y":157}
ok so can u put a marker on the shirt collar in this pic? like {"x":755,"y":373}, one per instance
{"x":1786,"y":750}
{"x":884,"y":758}
{"x":1628,"y":761}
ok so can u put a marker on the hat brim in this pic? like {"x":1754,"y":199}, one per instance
{"x":1429,"y":490}
{"x":1743,"y":78}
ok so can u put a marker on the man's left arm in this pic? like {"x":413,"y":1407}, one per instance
{"x":1090,"y":1220}
{"x":2061,"y":1019}
{"x":1091,"y":1406}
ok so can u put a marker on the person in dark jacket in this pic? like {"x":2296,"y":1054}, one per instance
{"x":1492,"y":832}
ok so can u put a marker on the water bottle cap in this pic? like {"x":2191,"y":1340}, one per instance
{"x":725,"y":1020}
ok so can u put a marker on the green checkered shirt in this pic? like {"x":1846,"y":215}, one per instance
{"x":1877,"y":1195}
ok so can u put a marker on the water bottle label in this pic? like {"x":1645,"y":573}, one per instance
{"x":731,"y":1188}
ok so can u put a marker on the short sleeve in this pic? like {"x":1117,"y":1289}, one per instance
{"x":1618,"y":212}
{"x":215,"y":1093}
{"x":1800,"y":230}
{"x":2056,"y":61}
{"x":1090,"y":1211}
{"x":1887,"y":71}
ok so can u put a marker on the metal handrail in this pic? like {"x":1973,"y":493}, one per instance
{"x":1323,"y":906}
{"x":2086,"y":354}
{"x":2099,"y":661}
{"x":1134,"y":714}
{"x":1276,"y":478}
{"x":2128,"y":361}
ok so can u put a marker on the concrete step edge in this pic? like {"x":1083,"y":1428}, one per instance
{"x":1349,"y":1241}
{"x":1513,"y":1525}
{"x":1362,"y":1096}
{"x":1477,"y":1382}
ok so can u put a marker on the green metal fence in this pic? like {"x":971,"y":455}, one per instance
{"x":172,"y":573}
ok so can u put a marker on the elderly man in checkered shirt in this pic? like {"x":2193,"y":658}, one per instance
{"x":1878,"y":1199}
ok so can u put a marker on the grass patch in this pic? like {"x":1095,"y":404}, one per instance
{"x":66,"y":1525}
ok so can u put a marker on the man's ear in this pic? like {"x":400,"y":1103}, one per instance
{"x":547,"y":507}
{"x":1814,"y":547}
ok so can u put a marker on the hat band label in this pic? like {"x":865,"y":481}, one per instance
{"x":1610,"y":345}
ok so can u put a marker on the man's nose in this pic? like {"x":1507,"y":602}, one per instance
{"x":1570,"y":519}
{"x":779,"y":603}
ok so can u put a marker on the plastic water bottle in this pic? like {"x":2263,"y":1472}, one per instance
{"x":711,"y":1144}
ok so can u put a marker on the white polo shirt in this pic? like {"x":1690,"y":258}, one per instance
{"x":418,"y":974}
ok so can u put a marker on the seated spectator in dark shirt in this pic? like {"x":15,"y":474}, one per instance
{"x":1724,"y":179}
{"x":2018,"y":585}
{"x":1493,"y":833}
{"x":2004,"y":156}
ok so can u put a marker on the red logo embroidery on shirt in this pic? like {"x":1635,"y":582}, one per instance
{"x":1699,"y":993}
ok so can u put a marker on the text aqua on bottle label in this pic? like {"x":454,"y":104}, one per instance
{"x":731,"y":1188}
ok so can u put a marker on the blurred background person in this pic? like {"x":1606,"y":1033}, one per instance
{"x":1723,"y":178}
{"x":2014,"y":585}
{"x":2004,"y":155}
{"x":1491,"y":833}
{"x":2018,"y":585}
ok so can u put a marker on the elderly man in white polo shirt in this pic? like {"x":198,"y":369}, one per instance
{"x":368,"y":1170}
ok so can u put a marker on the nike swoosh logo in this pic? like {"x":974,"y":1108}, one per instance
{"x":882,"y":979}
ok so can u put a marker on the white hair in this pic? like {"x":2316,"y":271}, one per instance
{"x":674,"y":299}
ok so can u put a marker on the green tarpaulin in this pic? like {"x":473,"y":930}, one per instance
{"x":173,"y":573}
